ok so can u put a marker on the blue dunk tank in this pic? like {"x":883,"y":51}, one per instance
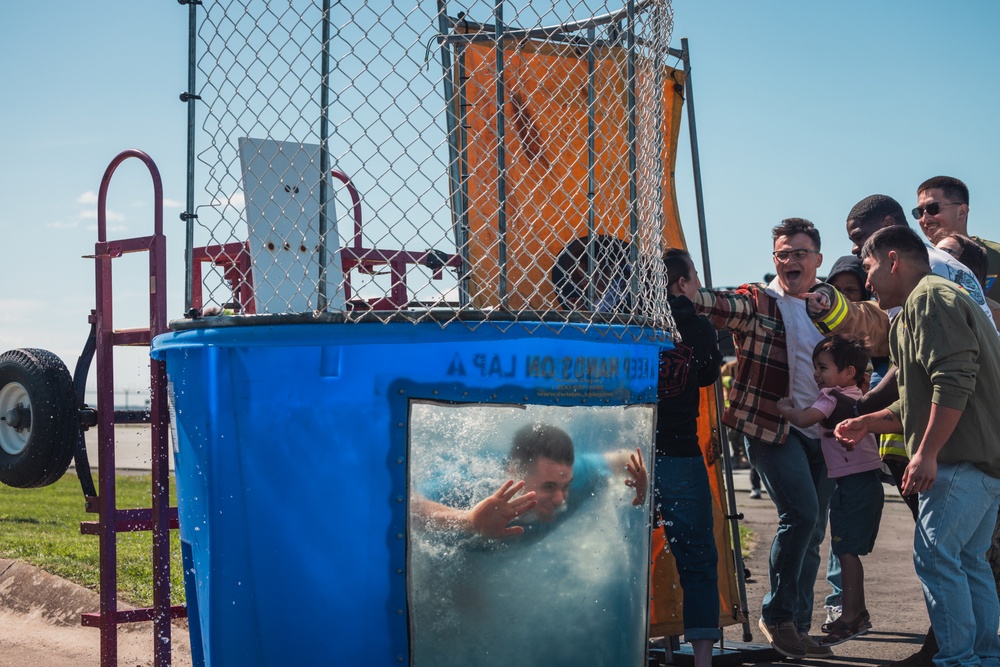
{"x":394,"y":455}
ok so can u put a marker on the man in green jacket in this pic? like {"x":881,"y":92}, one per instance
{"x":948,"y":359}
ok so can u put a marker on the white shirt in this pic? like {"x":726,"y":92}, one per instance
{"x":801,"y":338}
{"x":946,"y":266}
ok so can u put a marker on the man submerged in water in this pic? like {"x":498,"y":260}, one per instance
{"x":552,"y":483}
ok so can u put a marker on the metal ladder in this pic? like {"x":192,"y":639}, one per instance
{"x":160,"y":518}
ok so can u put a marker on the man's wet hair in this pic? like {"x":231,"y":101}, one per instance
{"x":953,"y":189}
{"x":536,"y":441}
{"x":678,"y":262}
{"x":877,"y":207}
{"x":846,"y":351}
{"x":972,"y":255}
{"x":790,"y":226}
{"x":901,"y":239}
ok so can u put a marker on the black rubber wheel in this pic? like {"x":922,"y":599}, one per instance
{"x":39,"y":420}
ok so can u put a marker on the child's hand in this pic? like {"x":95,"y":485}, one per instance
{"x":784,"y":405}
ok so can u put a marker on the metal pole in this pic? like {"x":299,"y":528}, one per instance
{"x":455,"y":120}
{"x":464,"y":295}
{"x":633,"y":186}
{"x":501,"y":153}
{"x":189,"y":98}
{"x":696,"y":164}
{"x":324,"y":154}
{"x":731,"y":514}
{"x":108,"y":510}
{"x":591,"y":165}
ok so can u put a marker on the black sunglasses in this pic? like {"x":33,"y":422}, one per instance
{"x":932,"y":209}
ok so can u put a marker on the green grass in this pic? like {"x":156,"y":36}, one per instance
{"x":42,"y":527}
{"x":747,"y":540}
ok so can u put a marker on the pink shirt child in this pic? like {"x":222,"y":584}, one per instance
{"x":839,"y":461}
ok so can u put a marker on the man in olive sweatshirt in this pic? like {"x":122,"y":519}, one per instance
{"x":948,"y":357}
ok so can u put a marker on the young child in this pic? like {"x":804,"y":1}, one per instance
{"x":839,"y":362}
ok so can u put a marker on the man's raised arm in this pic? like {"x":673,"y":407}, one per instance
{"x":489,"y":518}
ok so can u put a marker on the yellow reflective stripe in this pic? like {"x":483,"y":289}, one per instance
{"x":892,"y":444}
{"x":835,"y":316}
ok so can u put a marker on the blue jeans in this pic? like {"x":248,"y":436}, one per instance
{"x":795,"y":477}
{"x":834,"y":578}
{"x":684,"y":501}
{"x":955,"y":528}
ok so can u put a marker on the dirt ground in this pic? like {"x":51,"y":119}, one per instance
{"x":39,"y":613}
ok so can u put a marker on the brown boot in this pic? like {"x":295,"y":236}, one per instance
{"x":930,"y":643}
{"x":922,"y":658}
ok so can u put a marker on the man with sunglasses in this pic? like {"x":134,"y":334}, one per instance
{"x":943,"y":208}
{"x":872,"y":214}
{"x":868,"y":216}
{"x":774,"y":339}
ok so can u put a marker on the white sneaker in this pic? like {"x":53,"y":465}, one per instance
{"x":833,"y":612}
{"x":755,"y":494}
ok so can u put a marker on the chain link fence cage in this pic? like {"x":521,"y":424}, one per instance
{"x":491,"y":161}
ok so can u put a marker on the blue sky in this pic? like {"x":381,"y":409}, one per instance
{"x":803,"y":108}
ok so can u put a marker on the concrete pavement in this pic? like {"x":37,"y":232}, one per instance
{"x":132,"y":447}
{"x":892,"y":590}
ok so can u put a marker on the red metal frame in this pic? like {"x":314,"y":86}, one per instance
{"x":159,"y":518}
{"x":234,"y":259}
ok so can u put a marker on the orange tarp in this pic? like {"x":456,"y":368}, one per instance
{"x":545,"y":125}
{"x":667,"y":604}
{"x":546,"y":132}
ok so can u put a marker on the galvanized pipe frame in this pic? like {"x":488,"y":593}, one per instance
{"x":189,"y":98}
{"x":324,"y":155}
{"x":591,"y":167}
{"x":550,"y":32}
{"x":458,"y":189}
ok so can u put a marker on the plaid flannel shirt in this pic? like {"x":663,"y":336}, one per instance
{"x":762,"y":375}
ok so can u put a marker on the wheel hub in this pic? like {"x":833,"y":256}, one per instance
{"x":15,"y":418}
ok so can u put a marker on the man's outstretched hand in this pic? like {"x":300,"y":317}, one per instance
{"x":818,"y":301}
{"x":491,"y":516}
{"x":850,"y":432}
{"x":637,"y":478}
